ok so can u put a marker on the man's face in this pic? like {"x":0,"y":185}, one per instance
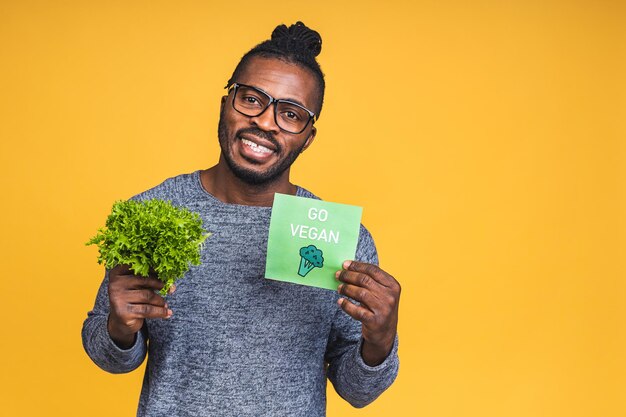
{"x":255,"y":148}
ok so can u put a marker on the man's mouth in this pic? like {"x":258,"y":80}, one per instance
{"x":260,"y":149}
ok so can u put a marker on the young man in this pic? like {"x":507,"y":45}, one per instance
{"x":227,"y":341}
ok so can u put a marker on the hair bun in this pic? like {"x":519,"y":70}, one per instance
{"x":299,"y":38}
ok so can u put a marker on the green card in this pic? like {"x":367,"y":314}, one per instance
{"x":310,"y":239}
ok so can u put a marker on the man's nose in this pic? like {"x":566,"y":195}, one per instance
{"x":267,"y":120}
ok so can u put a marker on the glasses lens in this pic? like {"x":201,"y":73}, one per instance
{"x":291,"y":117}
{"x":250,"y":101}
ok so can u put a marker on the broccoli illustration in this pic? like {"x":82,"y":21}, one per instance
{"x":311,"y":257}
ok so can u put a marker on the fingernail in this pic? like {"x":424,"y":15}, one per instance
{"x":340,"y":302}
{"x":339,"y":288}
{"x":165,"y":305}
{"x":337,"y":274}
{"x":169,"y":313}
{"x":346,"y":264}
{"x":172,"y":289}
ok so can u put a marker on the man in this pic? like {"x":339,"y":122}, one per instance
{"x":228,"y":342}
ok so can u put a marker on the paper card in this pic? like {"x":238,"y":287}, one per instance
{"x":309,"y":240}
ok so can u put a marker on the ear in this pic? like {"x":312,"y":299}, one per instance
{"x":223,"y":102}
{"x":310,"y":139}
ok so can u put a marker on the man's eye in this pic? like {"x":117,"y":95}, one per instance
{"x":291,"y":115}
{"x":250,"y":100}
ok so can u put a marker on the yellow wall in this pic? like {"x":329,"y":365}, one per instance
{"x":485,"y":141}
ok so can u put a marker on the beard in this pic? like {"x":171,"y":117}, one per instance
{"x":247,"y":175}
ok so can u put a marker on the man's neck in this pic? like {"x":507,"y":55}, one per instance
{"x":220,"y":181}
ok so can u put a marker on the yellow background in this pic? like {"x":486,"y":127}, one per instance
{"x":485,"y":141}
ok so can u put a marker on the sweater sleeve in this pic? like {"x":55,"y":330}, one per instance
{"x":96,"y":340}
{"x":98,"y":344}
{"x":354,"y":380}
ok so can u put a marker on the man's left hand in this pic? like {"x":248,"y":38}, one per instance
{"x":378,"y":294}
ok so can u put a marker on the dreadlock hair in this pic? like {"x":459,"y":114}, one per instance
{"x":296,"y":44}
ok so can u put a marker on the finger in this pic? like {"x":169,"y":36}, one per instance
{"x":364,"y":296}
{"x":126,"y":271}
{"x":357,"y":278}
{"x":147,"y":311}
{"x":358,"y":313}
{"x":172,"y":289}
{"x":121,"y":269}
{"x":373,"y":271}
{"x":143,"y":282}
{"x":145,"y":297}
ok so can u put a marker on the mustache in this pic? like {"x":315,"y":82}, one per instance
{"x":255,"y":131}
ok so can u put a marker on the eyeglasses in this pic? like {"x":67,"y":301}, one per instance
{"x":289,"y":116}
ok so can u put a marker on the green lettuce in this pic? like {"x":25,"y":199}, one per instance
{"x":151,"y":236}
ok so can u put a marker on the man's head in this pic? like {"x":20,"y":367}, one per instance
{"x":296,"y":44}
{"x":260,"y":138}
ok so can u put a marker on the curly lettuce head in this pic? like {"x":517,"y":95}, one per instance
{"x":151,"y":235}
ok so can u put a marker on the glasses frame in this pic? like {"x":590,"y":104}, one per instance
{"x":234,"y":86}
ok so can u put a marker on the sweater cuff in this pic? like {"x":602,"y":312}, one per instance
{"x":390,"y":360}
{"x":124,"y":357}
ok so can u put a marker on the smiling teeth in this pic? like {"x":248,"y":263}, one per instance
{"x":255,"y":147}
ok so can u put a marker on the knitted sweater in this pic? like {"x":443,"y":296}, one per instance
{"x":239,"y":344}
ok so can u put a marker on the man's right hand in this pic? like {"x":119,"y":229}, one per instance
{"x":132,"y":299}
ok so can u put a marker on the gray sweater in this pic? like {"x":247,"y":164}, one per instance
{"x":238,"y":344}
